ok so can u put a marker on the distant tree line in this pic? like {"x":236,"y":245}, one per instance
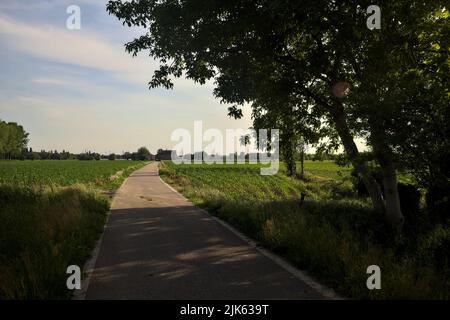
{"x":14,"y":146}
{"x":141,"y":154}
{"x":29,"y":154}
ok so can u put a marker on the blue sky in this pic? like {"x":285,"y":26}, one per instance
{"x":79,"y":90}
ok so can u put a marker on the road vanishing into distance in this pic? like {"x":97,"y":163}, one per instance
{"x":158,"y":245}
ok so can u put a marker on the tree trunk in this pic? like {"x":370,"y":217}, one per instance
{"x":288,"y":153}
{"x":369,"y":181}
{"x":288,"y":149}
{"x":302,"y":161}
{"x":393,"y":211}
{"x":383,"y":155}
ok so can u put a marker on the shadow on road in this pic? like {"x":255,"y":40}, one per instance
{"x":181,"y":253}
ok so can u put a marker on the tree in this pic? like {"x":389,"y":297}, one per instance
{"x":316,"y":54}
{"x":293,"y":120}
{"x":88,"y":156}
{"x":143,"y":153}
{"x":420,"y":130}
{"x":13,"y":139}
{"x":395,"y":94}
{"x":127,"y":156}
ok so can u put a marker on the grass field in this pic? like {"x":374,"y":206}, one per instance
{"x":51,"y":214}
{"x":334,"y":234}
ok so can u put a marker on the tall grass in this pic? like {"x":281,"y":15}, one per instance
{"x":42,"y":232}
{"x":333,"y":234}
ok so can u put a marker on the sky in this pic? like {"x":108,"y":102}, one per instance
{"x":79,"y":90}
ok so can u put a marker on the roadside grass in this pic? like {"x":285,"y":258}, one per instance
{"x":334,"y":235}
{"x":46,"y":226}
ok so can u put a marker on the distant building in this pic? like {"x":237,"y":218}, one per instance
{"x":151,"y":157}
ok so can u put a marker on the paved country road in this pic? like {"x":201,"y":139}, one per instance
{"x":158,"y":245}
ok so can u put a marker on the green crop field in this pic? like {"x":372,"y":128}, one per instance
{"x":220,"y":179}
{"x":62,"y":173}
{"x":325,"y":180}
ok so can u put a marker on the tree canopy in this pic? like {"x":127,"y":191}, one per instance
{"x":142,"y":153}
{"x":313,"y":66}
{"x":13,"y":139}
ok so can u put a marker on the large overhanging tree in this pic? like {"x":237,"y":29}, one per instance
{"x":318,"y":51}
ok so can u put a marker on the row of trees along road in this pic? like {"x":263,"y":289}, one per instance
{"x":13,"y":139}
{"x":314,"y":68}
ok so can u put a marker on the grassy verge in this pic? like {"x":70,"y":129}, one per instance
{"x":44,"y":228}
{"x":334,"y":235}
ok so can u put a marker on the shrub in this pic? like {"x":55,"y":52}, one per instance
{"x":434,"y":247}
{"x":342,"y":189}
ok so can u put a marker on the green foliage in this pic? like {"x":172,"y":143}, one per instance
{"x":13,"y":139}
{"x":343,"y":189}
{"x":142,"y":154}
{"x":435,"y":246}
{"x":88,"y":156}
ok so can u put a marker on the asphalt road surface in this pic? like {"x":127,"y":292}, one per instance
{"x":158,"y":245}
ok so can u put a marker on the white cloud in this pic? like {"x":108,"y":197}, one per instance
{"x":77,"y":47}
{"x":83,"y":48}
